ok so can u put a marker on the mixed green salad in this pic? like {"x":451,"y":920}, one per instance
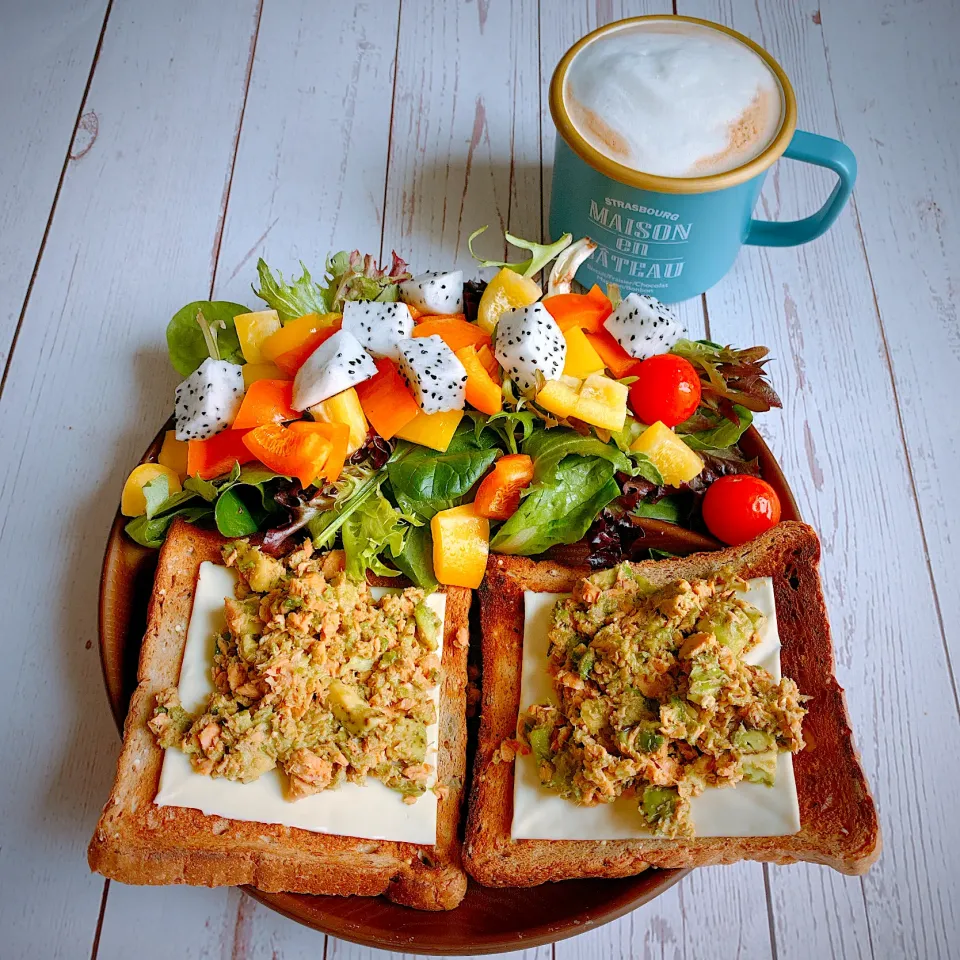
{"x":420,"y":422}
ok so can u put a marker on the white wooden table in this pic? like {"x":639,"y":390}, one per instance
{"x":151,"y":151}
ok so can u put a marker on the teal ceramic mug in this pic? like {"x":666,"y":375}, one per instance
{"x":675,"y":237}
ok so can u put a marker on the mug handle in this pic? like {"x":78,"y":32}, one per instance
{"x":823,"y":152}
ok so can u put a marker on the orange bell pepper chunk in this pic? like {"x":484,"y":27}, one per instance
{"x":292,"y":453}
{"x":337,"y":435}
{"x":483,"y":392}
{"x":455,"y":331}
{"x":490,"y":363}
{"x":585,"y":310}
{"x":461,"y":544}
{"x":414,"y":312}
{"x":498,"y":496}
{"x":216,"y":455}
{"x":294,"y":358}
{"x":266,"y":401}
{"x":616,"y":359}
{"x":386,"y":401}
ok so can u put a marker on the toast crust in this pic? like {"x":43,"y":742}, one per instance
{"x":140,"y":843}
{"x":839,"y":825}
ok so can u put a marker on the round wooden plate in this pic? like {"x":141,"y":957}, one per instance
{"x":489,"y":920}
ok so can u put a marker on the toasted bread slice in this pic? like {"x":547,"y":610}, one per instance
{"x":839,"y":826}
{"x":141,"y":843}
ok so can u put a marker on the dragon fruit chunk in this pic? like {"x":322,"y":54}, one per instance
{"x":339,"y":362}
{"x":208,"y":400}
{"x":643,"y":326}
{"x":528,"y":340}
{"x":433,"y":373}
{"x":378,"y":326}
{"x":435,"y":292}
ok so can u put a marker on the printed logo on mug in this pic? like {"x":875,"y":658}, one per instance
{"x":666,"y":127}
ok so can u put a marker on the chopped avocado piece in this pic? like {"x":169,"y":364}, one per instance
{"x":263,"y":573}
{"x":351,"y":709}
{"x":753,"y":741}
{"x":586,"y":664}
{"x":428,"y":625}
{"x":409,"y":738}
{"x":540,"y":743}
{"x":678,"y":716}
{"x":706,"y":679}
{"x":649,"y":739}
{"x":634,"y":707}
{"x":733,"y":624}
{"x":761,"y":767}
{"x":594,"y":715}
{"x":658,"y":803}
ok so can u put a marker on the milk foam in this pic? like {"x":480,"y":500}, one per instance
{"x":672,"y":100}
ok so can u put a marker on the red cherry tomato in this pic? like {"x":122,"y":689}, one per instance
{"x":738,"y":508}
{"x":667,"y":389}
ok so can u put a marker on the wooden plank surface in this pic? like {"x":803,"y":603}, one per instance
{"x":305,"y":179}
{"x":171,"y":201}
{"x":814,"y":308}
{"x":88,"y":382}
{"x":46,"y":53}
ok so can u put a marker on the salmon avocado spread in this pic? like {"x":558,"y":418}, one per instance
{"x":315,"y":677}
{"x":654,"y":698}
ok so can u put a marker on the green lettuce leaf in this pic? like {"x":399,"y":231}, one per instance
{"x":548,"y":448}
{"x":369,"y":532}
{"x":540,"y":253}
{"x":290,"y":300}
{"x":186,"y":343}
{"x":151,"y":532}
{"x":353,"y":276}
{"x":666,"y":508}
{"x":561,"y":511}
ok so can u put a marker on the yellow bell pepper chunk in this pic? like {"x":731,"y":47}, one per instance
{"x":173,"y":454}
{"x":252,"y":372}
{"x":132,"y":501}
{"x":434,"y":430}
{"x":294,"y":333}
{"x":582,"y":359}
{"x":253,"y":329}
{"x":559,"y":396}
{"x":344,"y":408}
{"x":602,"y":402}
{"x":506,"y":291}
{"x":461,"y":543}
{"x":676,"y":462}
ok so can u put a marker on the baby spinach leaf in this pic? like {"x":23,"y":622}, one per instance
{"x":151,"y":533}
{"x":644,"y":467}
{"x":155,"y":493}
{"x":725,"y":434}
{"x":505,"y":424}
{"x":548,"y":448}
{"x":425,"y":481}
{"x":234,"y":517}
{"x":560,"y":511}
{"x":666,"y":508}
{"x":185,"y":340}
{"x":203,"y":488}
{"x":415,"y":558}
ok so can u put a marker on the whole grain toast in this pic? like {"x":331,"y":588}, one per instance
{"x":839,"y":826}
{"x":140,"y":843}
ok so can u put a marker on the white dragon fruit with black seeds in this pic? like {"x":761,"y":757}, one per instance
{"x":435,"y":292}
{"x":528,"y":340}
{"x":644,"y":326}
{"x":208,"y":400}
{"x":433,"y":373}
{"x":378,"y":326}
{"x":338,"y":363}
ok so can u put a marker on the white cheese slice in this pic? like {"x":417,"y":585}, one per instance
{"x":370,"y":810}
{"x":747,"y":810}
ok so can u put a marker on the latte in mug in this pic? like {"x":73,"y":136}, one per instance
{"x":666,"y":128}
{"x":674,"y":100}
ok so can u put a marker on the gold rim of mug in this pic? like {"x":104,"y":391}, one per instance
{"x":649,"y":181}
